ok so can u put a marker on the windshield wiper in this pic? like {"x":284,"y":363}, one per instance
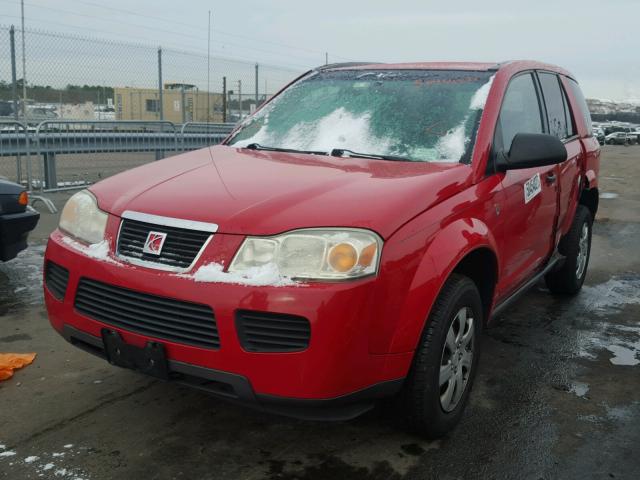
{"x":343,"y":152}
{"x":257,"y":146}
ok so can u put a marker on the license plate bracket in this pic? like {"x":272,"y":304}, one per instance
{"x":150,"y":360}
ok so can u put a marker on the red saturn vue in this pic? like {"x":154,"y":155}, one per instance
{"x":346,"y":243}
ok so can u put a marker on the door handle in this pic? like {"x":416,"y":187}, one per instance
{"x":551,"y":178}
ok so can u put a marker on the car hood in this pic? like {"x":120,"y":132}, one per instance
{"x":265,"y":193}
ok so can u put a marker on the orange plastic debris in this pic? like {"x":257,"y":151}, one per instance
{"x":12,"y":361}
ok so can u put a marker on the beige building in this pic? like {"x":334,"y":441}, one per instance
{"x":181,"y":103}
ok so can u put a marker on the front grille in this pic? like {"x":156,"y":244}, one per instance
{"x":56,"y":279}
{"x":179,"y":250}
{"x":272,"y":332}
{"x":159,"y":317}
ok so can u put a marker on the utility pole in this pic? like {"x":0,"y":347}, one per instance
{"x":160,"y":83}
{"x":240,"y":98}
{"x":14,"y":77}
{"x":209,"y":68}
{"x":224,"y":99}
{"x":24,"y":69}
{"x":326,"y":58}
{"x":256,"y":85}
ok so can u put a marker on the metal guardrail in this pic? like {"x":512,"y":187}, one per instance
{"x":89,"y":140}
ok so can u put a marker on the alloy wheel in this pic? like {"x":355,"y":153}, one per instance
{"x":583,"y":251}
{"x":457,"y":359}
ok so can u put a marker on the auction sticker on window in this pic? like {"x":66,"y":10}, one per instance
{"x":532,"y":187}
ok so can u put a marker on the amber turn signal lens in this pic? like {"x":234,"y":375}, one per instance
{"x":343,"y":257}
{"x":23,"y":198}
{"x":367,"y":255}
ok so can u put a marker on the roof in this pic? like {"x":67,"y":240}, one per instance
{"x":513,"y":65}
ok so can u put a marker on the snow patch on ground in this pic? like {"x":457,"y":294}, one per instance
{"x":266,"y":275}
{"x":99,"y":251}
{"x":47,"y":465}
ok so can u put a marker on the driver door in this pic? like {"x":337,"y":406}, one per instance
{"x":529,"y":203}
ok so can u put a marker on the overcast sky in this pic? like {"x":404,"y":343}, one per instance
{"x":597,"y":40}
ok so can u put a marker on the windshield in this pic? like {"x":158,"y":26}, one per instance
{"x":418,"y":115}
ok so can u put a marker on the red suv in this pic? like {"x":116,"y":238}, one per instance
{"x":347,"y":242}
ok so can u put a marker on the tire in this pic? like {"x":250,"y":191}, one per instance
{"x":576,"y":246}
{"x":424,"y":410}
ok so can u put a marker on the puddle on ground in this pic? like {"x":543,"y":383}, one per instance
{"x":580,"y":389}
{"x":606,"y":300}
{"x":21,"y":280}
{"x":608,"y":195}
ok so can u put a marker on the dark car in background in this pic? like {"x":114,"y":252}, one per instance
{"x":17,"y":219}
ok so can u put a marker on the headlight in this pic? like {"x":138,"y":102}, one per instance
{"x":320,"y":254}
{"x":82,"y":218}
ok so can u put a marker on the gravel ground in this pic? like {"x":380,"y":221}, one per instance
{"x":557,"y":395}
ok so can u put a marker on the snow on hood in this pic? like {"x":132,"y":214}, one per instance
{"x":98,"y":251}
{"x":256,"y":276}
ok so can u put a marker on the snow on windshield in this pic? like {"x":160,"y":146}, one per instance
{"x":421,"y":115}
{"x":338,"y":129}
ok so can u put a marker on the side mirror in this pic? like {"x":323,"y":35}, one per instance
{"x":532,"y":150}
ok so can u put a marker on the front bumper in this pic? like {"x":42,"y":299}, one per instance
{"x":336,"y":370}
{"x":14,"y":230}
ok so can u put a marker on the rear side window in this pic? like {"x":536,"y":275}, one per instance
{"x":520,"y":112}
{"x":571,"y":126}
{"x":582,"y":108}
{"x":554,"y":101}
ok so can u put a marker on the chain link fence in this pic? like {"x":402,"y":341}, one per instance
{"x":75,"y":83}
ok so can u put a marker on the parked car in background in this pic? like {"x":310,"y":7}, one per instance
{"x":348,"y":242}
{"x":618,"y":138}
{"x":17,"y":219}
{"x":598,"y":133}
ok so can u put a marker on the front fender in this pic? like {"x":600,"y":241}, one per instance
{"x":412,"y":293}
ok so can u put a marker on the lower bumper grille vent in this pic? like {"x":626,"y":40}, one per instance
{"x":272,"y":332}
{"x":160,"y":317}
{"x":56,"y":279}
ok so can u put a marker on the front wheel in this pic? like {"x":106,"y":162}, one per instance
{"x":445,"y":362}
{"x":576,"y":246}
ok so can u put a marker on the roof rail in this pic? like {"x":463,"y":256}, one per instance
{"x":345,"y":65}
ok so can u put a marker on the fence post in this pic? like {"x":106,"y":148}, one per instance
{"x":50,"y":175}
{"x":183,"y":105}
{"x":160,"y":83}
{"x":256,"y":85}
{"x":224,"y":99}
{"x":14,"y":96}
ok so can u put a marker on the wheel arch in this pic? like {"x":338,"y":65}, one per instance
{"x":465,"y":246}
{"x":590,"y":198}
{"x":481,"y":266}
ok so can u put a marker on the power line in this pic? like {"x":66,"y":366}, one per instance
{"x":162,"y":30}
{"x":187,"y":49}
{"x":199,"y":27}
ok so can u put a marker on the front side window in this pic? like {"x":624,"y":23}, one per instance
{"x":416,"y":115}
{"x":520,"y":111}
